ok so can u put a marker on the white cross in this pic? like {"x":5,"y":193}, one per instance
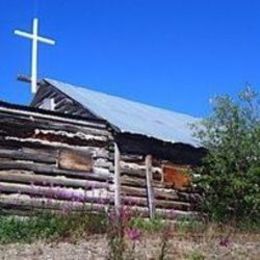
{"x":35,"y":39}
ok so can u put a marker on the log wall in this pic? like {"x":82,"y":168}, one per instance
{"x":49,"y":161}
{"x":169,"y":201}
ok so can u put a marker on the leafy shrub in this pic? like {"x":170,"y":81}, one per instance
{"x":230,"y":175}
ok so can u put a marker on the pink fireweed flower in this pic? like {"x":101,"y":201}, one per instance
{"x":133,"y":234}
{"x":225,"y":242}
{"x":125,"y":214}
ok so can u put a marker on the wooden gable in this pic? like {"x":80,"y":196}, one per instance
{"x":62,"y":103}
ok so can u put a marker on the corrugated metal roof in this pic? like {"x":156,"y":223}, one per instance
{"x":133,"y":117}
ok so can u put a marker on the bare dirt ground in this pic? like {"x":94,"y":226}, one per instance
{"x":182,"y":247}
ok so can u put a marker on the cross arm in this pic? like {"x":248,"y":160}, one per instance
{"x":45,"y":40}
{"x":31,"y":36}
{"x":23,"y":34}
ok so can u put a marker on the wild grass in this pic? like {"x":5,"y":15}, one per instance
{"x":49,"y":226}
{"x":128,"y":236}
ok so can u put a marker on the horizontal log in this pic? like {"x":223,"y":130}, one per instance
{"x":161,"y":193}
{"x":138,"y":182}
{"x":29,"y":203}
{"x":103,"y":163}
{"x":49,"y":156}
{"x":19,"y":146}
{"x":56,"y":138}
{"x":71,"y":143}
{"x":128,"y":158}
{"x":27,"y":178}
{"x":17,"y":202}
{"x":101,"y":174}
{"x":45,"y":119}
{"x":33,"y":155}
{"x":9,"y":126}
{"x":7,"y":210}
{"x":37,"y":179}
{"x":98,"y":174}
{"x":66,"y":134}
{"x":139,"y":172}
{"x":138,"y":191}
{"x":166,"y":204}
{"x":167,"y":213}
{"x":48,"y":149}
{"x":69,"y":194}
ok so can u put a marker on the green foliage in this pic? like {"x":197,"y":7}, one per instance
{"x":195,"y":255}
{"x":185,"y":225}
{"x":230,"y":174}
{"x":150,"y":225}
{"x":49,"y":226}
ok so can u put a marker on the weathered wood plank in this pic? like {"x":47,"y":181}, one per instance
{"x":25,"y":203}
{"x":62,"y":102}
{"x":33,"y":155}
{"x":149,"y":186}
{"x":52,"y":170}
{"x":57,"y":141}
{"x":69,"y":194}
{"x":167,"y":204}
{"x":26,"y":177}
{"x":139,"y":171}
{"x":75,"y":160}
{"x":130,"y":158}
{"x":28,"y":203}
{"x":52,"y":119}
{"x":126,"y":201}
{"x":103,"y":163}
{"x":161,"y":193}
{"x":50,"y":149}
{"x":117,"y":180}
{"x":10,"y":127}
{"x":138,"y":182}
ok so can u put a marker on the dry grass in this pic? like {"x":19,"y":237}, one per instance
{"x":212,"y":243}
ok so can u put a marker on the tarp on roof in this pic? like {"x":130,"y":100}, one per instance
{"x":133,"y":117}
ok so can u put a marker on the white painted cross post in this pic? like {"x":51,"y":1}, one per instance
{"x":35,"y":39}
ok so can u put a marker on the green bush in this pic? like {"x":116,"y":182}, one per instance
{"x":230,"y":174}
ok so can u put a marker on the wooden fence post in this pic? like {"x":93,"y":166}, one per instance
{"x":117,"y":179}
{"x":150,"y":191}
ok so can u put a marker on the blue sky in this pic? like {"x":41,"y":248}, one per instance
{"x":174,"y":54}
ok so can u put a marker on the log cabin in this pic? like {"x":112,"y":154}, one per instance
{"x":75,"y":148}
